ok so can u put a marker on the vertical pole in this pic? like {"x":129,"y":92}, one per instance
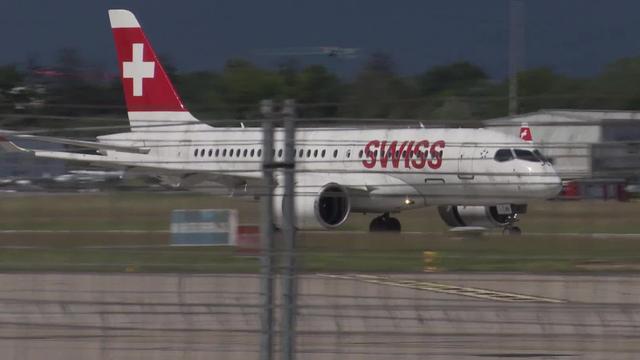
{"x":266,"y":232}
{"x":289,"y":232}
{"x":516,"y":39}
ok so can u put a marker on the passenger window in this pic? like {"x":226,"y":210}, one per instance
{"x":252,"y":152}
{"x":195,"y":152}
{"x":259,"y":152}
{"x":503,"y":155}
{"x":323,"y":152}
{"x":360,"y":154}
{"x":202,"y":152}
{"x":315,"y":153}
{"x":308,"y":153}
{"x":217,"y":152}
{"x":300,"y":153}
{"x":335,"y":153}
{"x":224,"y":152}
{"x":231,"y":152}
{"x":210,"y":152}
{"x":348,"y":154}
{"x":244,"y":153}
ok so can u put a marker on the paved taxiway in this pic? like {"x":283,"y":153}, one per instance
{"x":349,"y":316}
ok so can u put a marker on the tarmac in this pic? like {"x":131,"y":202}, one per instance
{"x":340,"y":316}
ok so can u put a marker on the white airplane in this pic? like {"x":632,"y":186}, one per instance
{"x":477,"y":177}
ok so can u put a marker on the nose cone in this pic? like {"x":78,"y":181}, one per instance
{"x":548,"y":184}
{"x":555,"y":185}
{"x":538,"y":181}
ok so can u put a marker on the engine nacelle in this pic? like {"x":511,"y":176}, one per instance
{"x":324,"y":207}
{"x":485,"y":216}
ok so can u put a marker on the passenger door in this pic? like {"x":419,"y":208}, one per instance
{"x":466,"y":160}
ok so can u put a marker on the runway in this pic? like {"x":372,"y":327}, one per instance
{"x":341,"y":316}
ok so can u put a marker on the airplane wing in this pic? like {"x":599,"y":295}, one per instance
{"x":177,"y":177}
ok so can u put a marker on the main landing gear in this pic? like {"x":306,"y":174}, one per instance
{"x":385,"y":223}
{"x":510,"y":228}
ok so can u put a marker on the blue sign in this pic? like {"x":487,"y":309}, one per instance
{"x":206,"y":227}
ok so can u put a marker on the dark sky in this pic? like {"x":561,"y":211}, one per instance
{"x":575,"y":37}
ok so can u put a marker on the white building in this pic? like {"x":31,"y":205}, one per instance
{"x":593,"y":146}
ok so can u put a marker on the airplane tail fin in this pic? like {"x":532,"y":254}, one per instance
{"x":150,"y":96}
{"x":525,"y":133}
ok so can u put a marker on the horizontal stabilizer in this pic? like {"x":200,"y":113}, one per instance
{"x":10,"y":146}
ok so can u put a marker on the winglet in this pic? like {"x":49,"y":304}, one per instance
{"x":10,"y":146}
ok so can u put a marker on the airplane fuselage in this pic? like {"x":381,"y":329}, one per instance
{"x":427,"y":166}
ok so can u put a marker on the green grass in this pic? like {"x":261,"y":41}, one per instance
{"x":318,"y":251}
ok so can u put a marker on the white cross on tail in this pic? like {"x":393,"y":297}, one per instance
{"x":138,"y":69}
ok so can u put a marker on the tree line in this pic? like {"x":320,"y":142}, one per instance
{"x":456,"y":91}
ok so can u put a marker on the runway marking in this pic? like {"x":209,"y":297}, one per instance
{"x":71,"y":231}
{"x":133,"y":231}
{"x":485,"y":294}
{"x":541,"y":234}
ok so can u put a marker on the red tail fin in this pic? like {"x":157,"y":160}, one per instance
{"x":146,"y":85}
{"x":525,"y":133}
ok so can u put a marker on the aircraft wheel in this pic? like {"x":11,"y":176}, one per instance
{"x":393,"y":224}
{"x":384,"y":223}
{"x":377,"y":224}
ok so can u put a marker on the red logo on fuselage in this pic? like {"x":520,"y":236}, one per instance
{"x":406,"y":154}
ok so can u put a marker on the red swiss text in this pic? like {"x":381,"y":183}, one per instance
{"x":406,"y":154}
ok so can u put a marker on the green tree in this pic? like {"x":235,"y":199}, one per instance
{"x":10,"y":77}
{"x":245,"y":85}
{"x":377,"y":92}
{"x":618,"y":87}
{"x":542,"y":88}
{"x":202,"y":93}
{"x":441,"y":88}
{"x":451,"y":79}
{"x":320,"y":89}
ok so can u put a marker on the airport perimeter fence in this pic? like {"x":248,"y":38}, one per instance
{"x":88,"y":271}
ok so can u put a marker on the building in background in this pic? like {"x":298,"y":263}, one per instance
{"x":596,"y":152}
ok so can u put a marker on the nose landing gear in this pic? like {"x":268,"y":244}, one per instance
{"x":385,"y":223}
{"x":510,"y":228}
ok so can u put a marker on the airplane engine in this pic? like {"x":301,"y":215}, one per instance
{"x":485,"y":216}
{"x":324,"y":207}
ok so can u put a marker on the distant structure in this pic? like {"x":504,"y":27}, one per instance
{"x":330,"y":51}
{"x":516,"y":50}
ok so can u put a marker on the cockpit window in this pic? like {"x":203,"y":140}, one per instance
{"x":526,"y":155}
{"x":503,"y":155}
{"x":542,"y":158}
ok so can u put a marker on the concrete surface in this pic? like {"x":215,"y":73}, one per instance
{"x":187,"y":316}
